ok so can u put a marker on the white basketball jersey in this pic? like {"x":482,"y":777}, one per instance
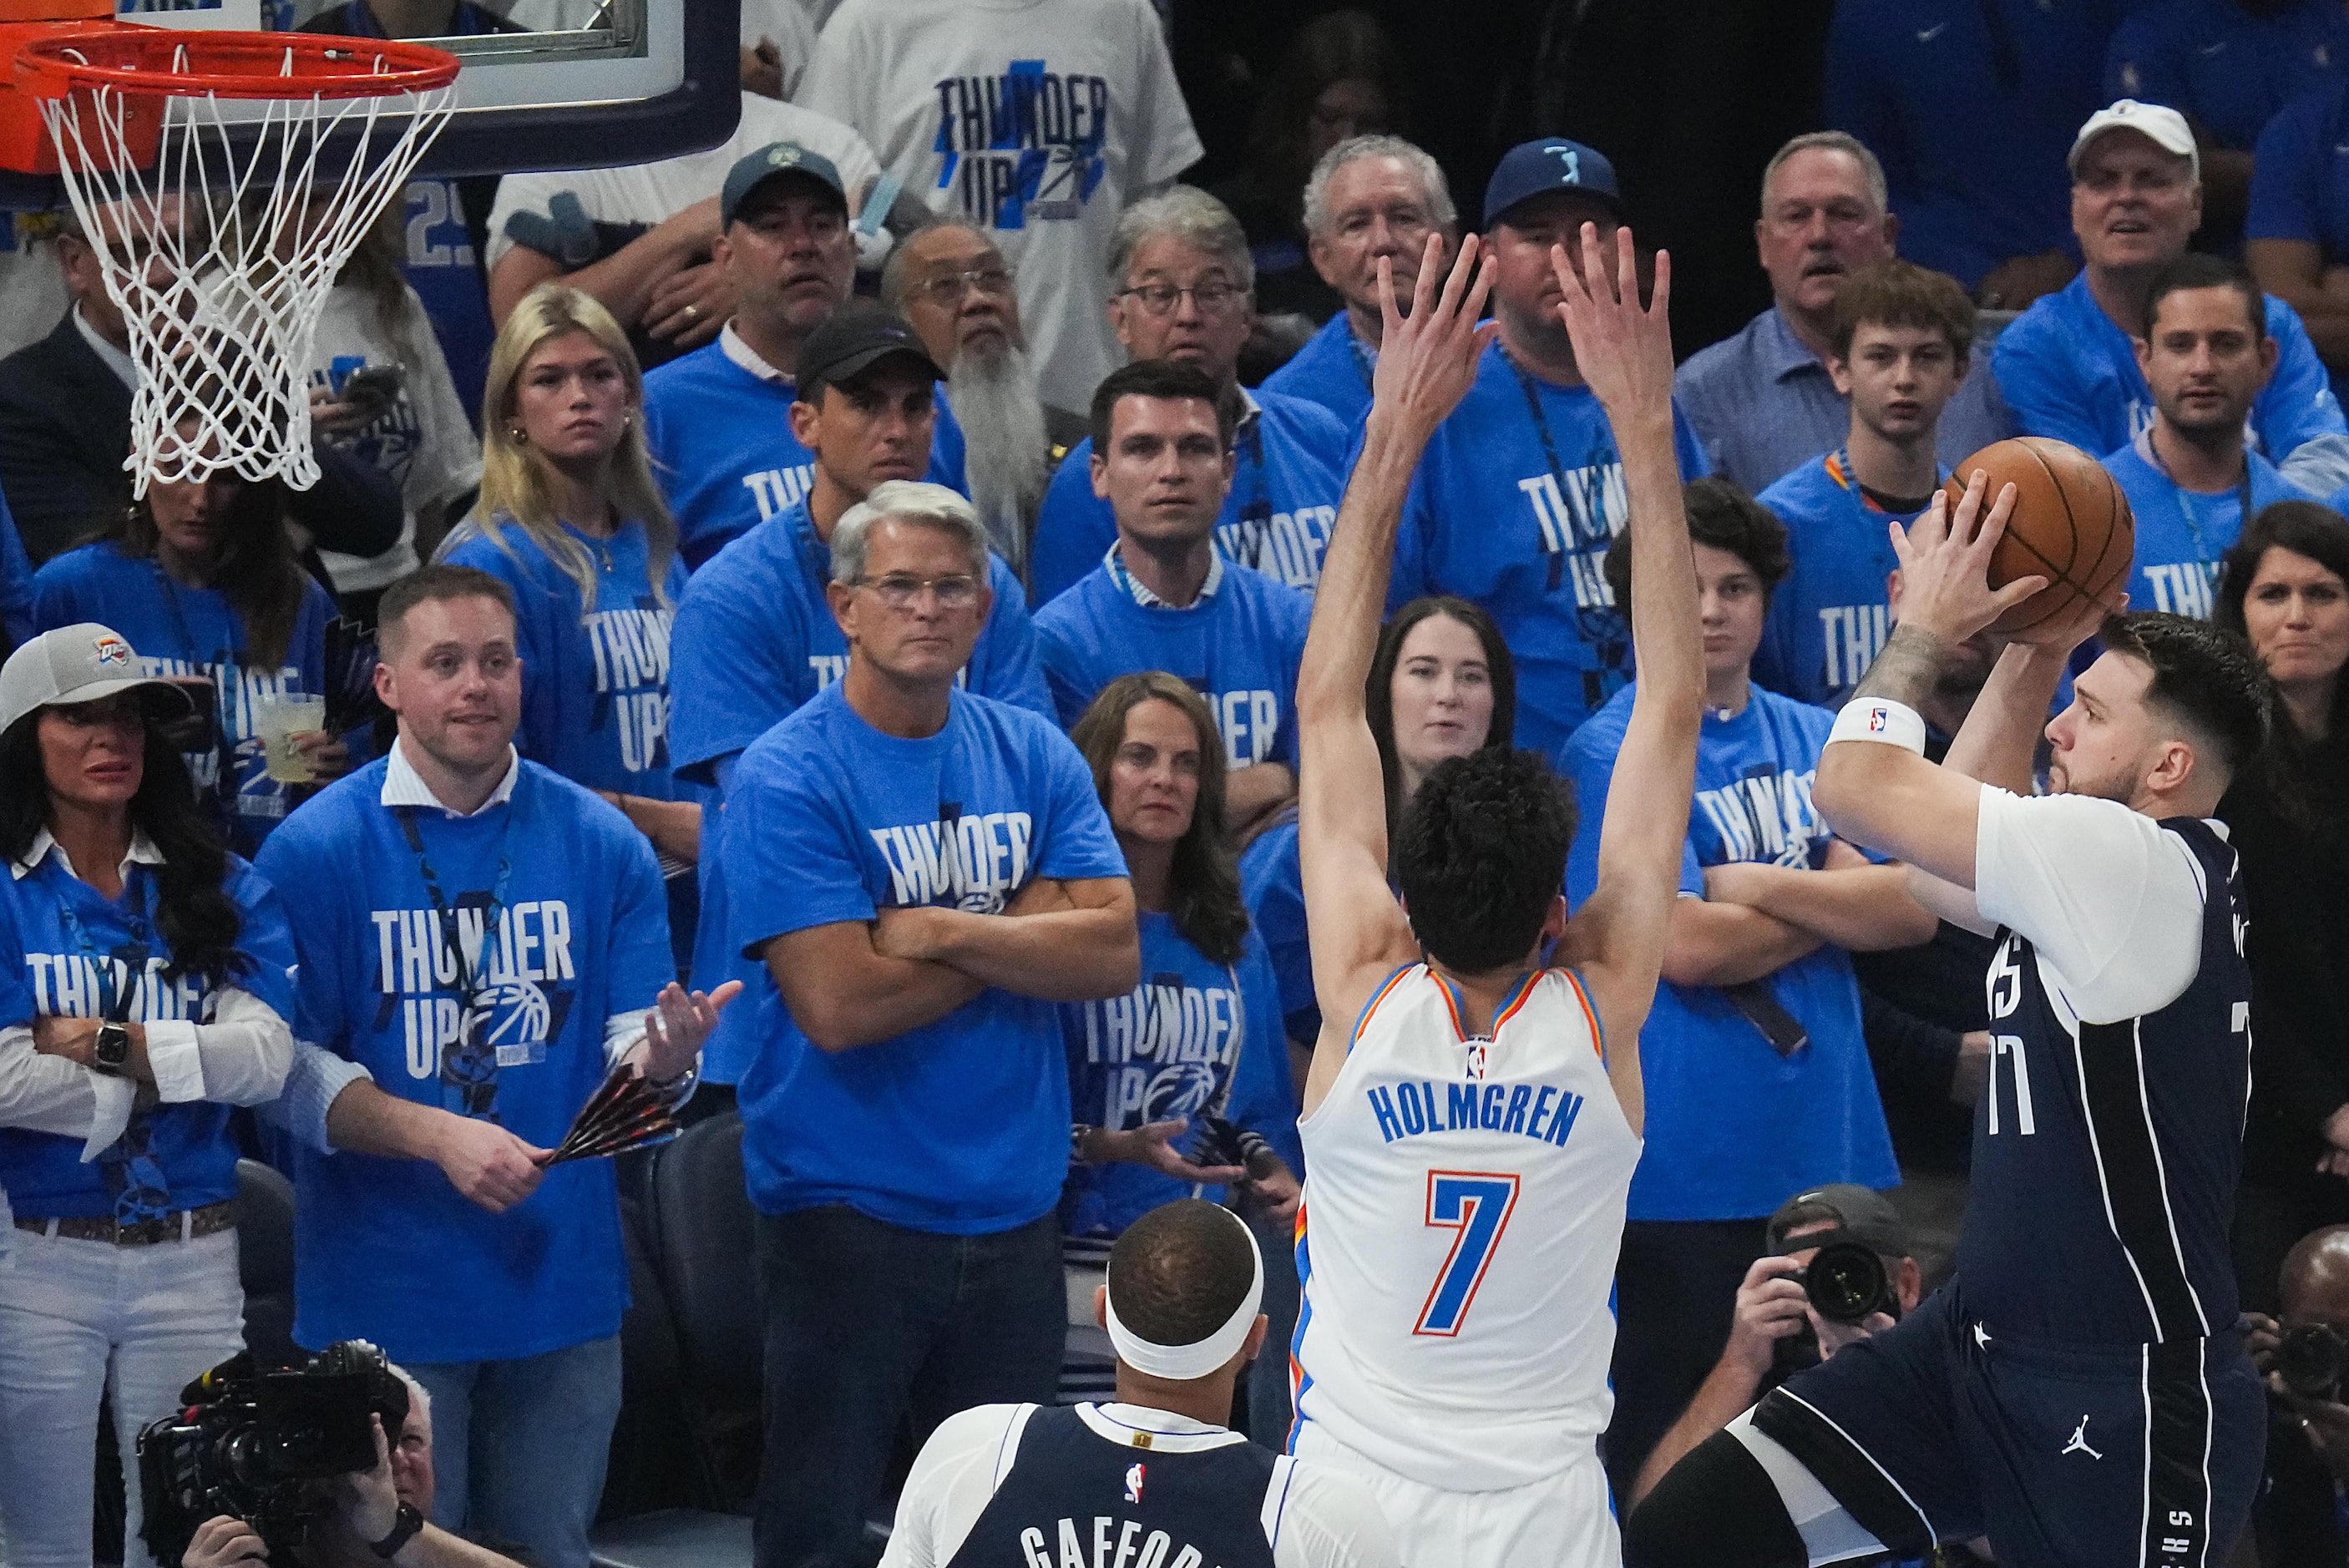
{"x":1463,"y":1210}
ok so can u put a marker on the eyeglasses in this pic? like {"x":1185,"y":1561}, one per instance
{"x":1213,"y":297}
{"x":899,"y":590}
{"x":949,"y":289}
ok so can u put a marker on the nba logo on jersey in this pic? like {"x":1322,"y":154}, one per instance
{"x":1134,"y":1482}
{"x":1476,"y":1057}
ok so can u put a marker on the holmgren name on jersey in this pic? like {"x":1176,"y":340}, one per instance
{"x":1412,"y":1109}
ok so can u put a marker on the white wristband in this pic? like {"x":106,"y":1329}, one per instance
{"x":1882,"y":720}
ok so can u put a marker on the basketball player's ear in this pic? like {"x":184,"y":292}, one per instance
{"x":1253,"y":1345}
{"x":1101,"y":1306}
{"x":1892,"y":591}
{"x":1554,"y":921}
{"x":2173,"y":765}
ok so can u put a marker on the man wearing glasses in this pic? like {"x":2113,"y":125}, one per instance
{"x":1180,"y":265}
{"x":923,"y":873}
{"x":956,"y":290}
{"x":755,"y":638}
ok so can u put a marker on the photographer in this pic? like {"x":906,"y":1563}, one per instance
{"x":2298,"y":1519}
{"x":372,"y":1510}
{"x":1779,"y":1322}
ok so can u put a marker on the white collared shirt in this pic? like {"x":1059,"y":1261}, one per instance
{"x":403,"y":785}
{"x":143,"y":852}
{"x":734,"y":347}
{"x":117,"y":360}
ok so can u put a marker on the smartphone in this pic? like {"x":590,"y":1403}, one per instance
{"x":377,"y":385}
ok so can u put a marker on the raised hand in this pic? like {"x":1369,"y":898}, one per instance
{"x":1427,"y":360}
{"x":1623,"y":349}
{"x":1945,"y":590}
{"x":680,"y":1020}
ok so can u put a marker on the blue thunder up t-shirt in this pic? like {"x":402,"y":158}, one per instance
{"x":2180,"y":534}
{"x":2223,"y":67}
{"x":959,"y":1127}
{"x":1521,"y":527}
{"x":1286,"y":482}
{"x":1193,"y":1037}
{"x":561,"y":920}
{"x":1734,"y":1127}
{"x":1829,"y":618}
{"x":1238,"y":647}
{"x":595,"y":682}
{"x":1333,"y":369}
{"x":2068,"y":371}
{"x":2299,"y":180}
{"x":183,"y":631}
{"x":52,"y":965}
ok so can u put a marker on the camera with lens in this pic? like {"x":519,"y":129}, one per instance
{"x":2310,"y":1358}
{"x":265,"y":1445}
{"x":1847,"y":1283}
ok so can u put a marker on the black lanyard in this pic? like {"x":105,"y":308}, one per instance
{"x":114,"y":1000}
{"x":467,"y":1064}
{"x":1606,"y":632}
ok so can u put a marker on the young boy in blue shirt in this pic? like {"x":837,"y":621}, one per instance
{"x":923,"y":873}
{"x":755,"y":637}
{"x":2190,"y":479}
{"x":1757,"y":1076}
{"x":1901,"y":337}
{"x":481,"y":941}
{"x":1164,"y":599}
{"x":1184,"y":273}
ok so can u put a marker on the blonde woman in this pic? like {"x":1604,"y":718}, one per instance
{"x":570,"y":519}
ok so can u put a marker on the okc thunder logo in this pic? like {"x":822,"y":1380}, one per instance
{"x":111,"y":651}
{"x":514,"y":1013}
{"x":1178,"y":1091}
{"x":1134,"y":1482}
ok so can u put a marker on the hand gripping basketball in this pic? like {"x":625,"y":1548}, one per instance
{"x":1945,"y":562}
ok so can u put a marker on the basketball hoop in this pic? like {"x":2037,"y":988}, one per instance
{"x":219,"y":235}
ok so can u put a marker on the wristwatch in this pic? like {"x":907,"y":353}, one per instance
{"x":112,"y":1051}
{"x":402,"y":1531}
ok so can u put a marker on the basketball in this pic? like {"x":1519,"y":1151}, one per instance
{"x":2071,"y":524}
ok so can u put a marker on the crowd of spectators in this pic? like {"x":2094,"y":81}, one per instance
{"x":844,"y":662}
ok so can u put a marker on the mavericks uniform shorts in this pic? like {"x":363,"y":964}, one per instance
{"x":2065,"y":1455}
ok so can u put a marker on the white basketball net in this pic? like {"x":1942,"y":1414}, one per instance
{"x":221,"y":260}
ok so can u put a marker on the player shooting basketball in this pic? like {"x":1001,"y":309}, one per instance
{"x":2079,"y":1393}
{"x":1470,"y":1140}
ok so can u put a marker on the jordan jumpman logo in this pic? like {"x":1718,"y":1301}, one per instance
{"x":2079,"y":1443}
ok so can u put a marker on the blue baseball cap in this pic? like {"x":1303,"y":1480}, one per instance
{"x":1534,"y":169}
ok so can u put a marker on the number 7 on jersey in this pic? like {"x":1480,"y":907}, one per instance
{"x":1476,"y":1204}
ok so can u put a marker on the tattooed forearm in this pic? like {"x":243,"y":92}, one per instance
{"x":1905,"y":671}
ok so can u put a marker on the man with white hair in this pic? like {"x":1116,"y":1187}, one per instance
{"x":2068,"y":367}
{"x":1184,"y":283}
{"x":924,"y":873}
{"x":1370,"y":199}
{"x":956,"y":290}
{"x":1762,"y":402}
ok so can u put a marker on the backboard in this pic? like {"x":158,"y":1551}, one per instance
{"x":582,"y":83}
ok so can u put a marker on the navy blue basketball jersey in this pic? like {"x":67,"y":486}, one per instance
{"x":2105,"y":1154}
{"x":1068,"y":1488}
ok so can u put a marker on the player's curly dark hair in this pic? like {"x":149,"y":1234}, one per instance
{"x":1721,"y":514}
{"x":193,"y":912}
{"x":1179,"y":1273}
{"x":2204,"y":675}
{"x":1481,"y":852}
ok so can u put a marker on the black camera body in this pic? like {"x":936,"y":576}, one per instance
{"x":263,"y":1447}
{"x":1847,"y":1283}
{"x":2310,"y":1358}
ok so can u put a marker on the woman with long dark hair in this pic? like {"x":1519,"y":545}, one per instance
{"x":1442,"y":685}
{"x":2284,"y":586}
{"x":1181,"y":1088}
{"x":145,"y":984}
{"x":207,"y":574}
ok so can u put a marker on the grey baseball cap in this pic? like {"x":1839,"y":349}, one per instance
{"x":79,"y":664}
{"x":753,"y":170}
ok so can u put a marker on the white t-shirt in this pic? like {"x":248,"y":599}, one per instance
{"x":2111,"y":903}
{"x":1055,"y":113}
{"x":1321,"y":1519}
{"x":424,"y":440}
{"x":644,"y":194}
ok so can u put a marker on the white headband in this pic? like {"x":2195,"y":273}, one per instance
{"x":1187,"y":1363}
